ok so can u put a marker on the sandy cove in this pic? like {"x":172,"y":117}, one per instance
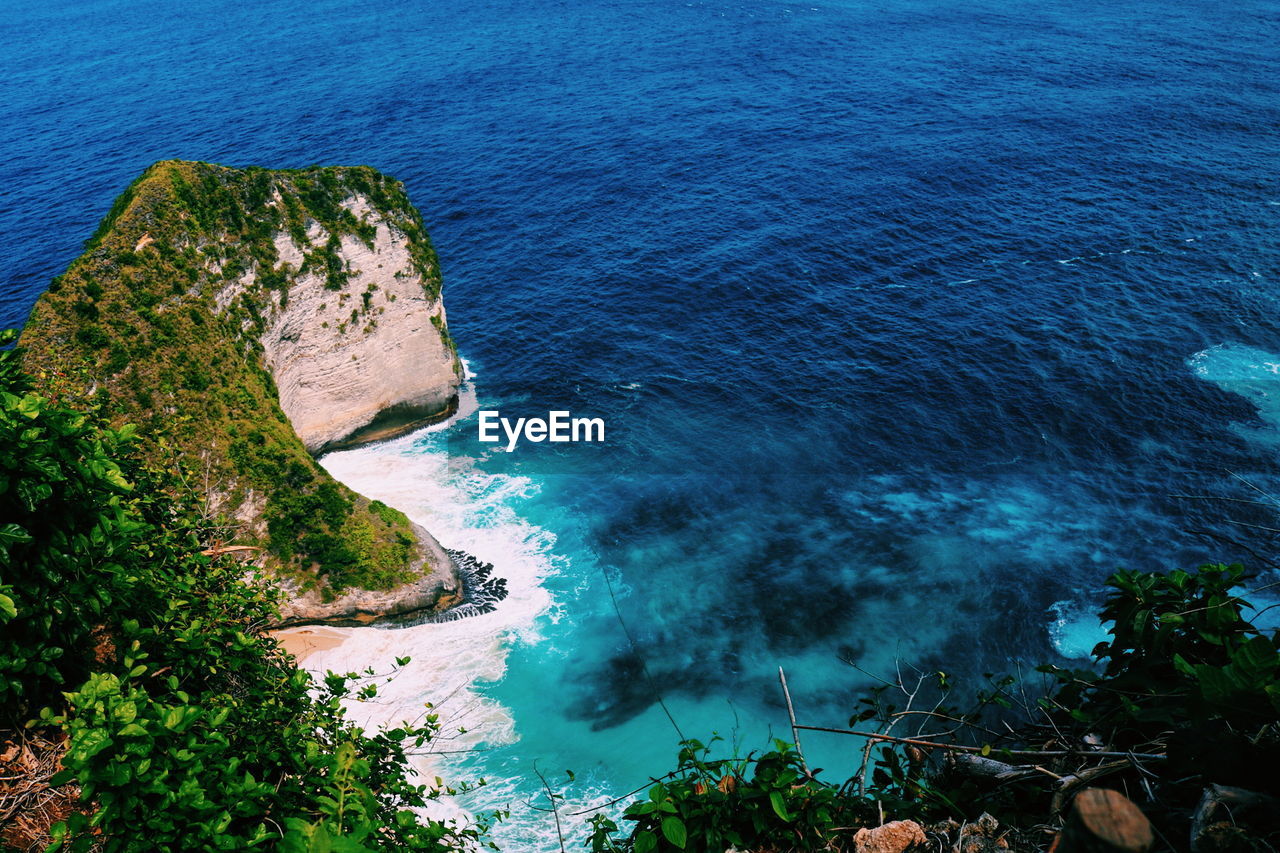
{"x":307,"y":640}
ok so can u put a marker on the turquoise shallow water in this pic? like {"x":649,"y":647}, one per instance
{"x":909,"y":320}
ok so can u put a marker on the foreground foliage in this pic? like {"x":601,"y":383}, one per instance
{"x":1185,"y":696}
{"x":763,"y":801}
{"x":185,"y":727}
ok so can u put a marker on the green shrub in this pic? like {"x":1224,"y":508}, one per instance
{"x":1181,"y":654}
{"x":1186,"y":693}
{"x":759,"y":802}
{"x":188,"y":729}
{"x":92,"y":336}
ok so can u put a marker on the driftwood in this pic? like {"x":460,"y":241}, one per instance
{"x":956,"y":747}
{"x":229,"y":549}
{"x":1068,"y":785}
{"x":989,"y":768}
{"x":1000,"y":771}
{"x":791,"y":714}
{"x":1104,"y":821}
{"x":1223,"y":803}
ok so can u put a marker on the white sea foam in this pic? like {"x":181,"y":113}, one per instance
{"x":1075,"y":629}
{"x":469,"y":510}
{"x":531,"y":828}
{"x":1264,"y":606}
{"x":1250,"y":372}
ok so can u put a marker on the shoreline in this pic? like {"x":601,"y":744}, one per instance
{"x":304,"y":641}
{"x":452,"y":655}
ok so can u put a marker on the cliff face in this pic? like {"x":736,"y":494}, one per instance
{"x":388,"y":368}
{"x":247,"y":319}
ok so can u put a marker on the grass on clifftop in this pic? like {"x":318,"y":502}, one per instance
{"x":133,"y":327}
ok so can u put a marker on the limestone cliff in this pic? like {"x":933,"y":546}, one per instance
{"x":387,"y":369}
{"x":247,"y":319}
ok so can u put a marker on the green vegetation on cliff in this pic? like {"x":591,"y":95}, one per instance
{"x":157,"y":714}
{"x":158,"y":324}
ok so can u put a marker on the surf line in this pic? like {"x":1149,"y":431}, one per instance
{"x":481,"y":592}
{"x":557,"y":426}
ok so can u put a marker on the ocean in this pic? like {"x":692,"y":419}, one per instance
{"x":909,"y":322}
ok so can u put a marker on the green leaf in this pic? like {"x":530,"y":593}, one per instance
{"x":58,"y":833}
{"x":29,"y":406}
{"x":646,"y":841}
{"x":673,"y":829}
{"x":12,"y":534}
{"x":88,"y":744}
{"x":7,"y":608}
{"x":1273,"y":694}
{"x":173,"y":718}
{"x":779,"y":805}
{"x":320,"y":841}
{"x":1257,"y":657}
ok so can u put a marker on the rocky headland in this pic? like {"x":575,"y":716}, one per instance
{"x":248,"y":320}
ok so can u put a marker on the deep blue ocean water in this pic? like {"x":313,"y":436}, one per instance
{"x":909,"y":320}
